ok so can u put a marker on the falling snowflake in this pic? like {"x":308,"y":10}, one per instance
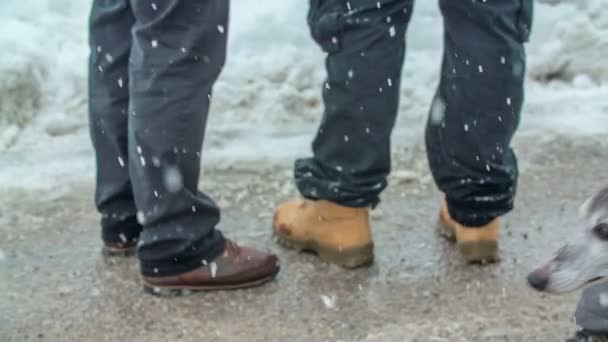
{"x":141,"y":218}
{"x":437,"y":111}
{"x":173,"y":179}
{"x":213,"y":268}
{"x":603,"y":299}
{"x":329,"y":301}
{"x":220,"y":28}
{"x":154,"y":43}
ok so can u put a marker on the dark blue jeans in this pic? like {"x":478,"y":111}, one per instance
{"x":152,"y":67}
{"x":475,"y":112}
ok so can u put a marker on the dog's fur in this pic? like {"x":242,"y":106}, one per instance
{"x":584,"y":258}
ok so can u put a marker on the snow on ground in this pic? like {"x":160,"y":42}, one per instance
{"x":269,"y":93}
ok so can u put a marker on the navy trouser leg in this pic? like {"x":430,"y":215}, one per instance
{"x":365,"y":45}
{"x":477,"y":107}
{"x":175,"y":50}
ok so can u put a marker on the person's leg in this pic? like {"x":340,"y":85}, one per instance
{"x":110,"y":26}
{"x":177,"y":54}
{"x":152,"y":69}
{"x":365,"y":45}
{"x":477,"y":107}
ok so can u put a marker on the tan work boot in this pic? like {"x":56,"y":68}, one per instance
{"x":476,"y":244}
{"x":338,"y":234}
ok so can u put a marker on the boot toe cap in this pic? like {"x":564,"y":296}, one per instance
{"x":284,"y":215}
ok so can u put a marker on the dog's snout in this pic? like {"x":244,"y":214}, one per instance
{"x":539,"y":279}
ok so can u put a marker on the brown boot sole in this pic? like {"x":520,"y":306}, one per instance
{"x":348,"y":258}
{"x":174,"y":291}
{"x":483,"y":251}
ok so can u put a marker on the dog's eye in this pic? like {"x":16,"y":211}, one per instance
{"x":601,"y":230}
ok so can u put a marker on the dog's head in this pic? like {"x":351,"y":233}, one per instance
{"x":584,"y":258}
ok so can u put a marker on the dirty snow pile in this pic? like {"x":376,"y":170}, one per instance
{"x":41,"y":68}
{"x":577,"y":45}
{"x":272,"y":78}
{"x":272,"y":70}
{"x":568,"y":69}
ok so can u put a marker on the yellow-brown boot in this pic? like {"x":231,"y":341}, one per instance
{"x":476,"y":244}
{"x":338,"y":234}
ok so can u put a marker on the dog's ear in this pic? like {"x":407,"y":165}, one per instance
{"x":598,"y":203}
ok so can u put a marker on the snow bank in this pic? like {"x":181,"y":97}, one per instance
{"x":272,"y":74}
{"x":43,"y":45}
{"x":577,"y":45}
{"x":267,"y":101}
{"x":274,"y":70}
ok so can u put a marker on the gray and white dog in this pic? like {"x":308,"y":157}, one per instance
{"x":584,"y":259}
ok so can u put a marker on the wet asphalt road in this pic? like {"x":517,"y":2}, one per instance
{"x":55,"y":285}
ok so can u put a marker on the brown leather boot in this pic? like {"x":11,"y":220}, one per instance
{"x":476,"y":244}
{"x":338,"y":234}
{"x":585,"y":336}
{"x":120,"y":249}
{"x":238,"y":267}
